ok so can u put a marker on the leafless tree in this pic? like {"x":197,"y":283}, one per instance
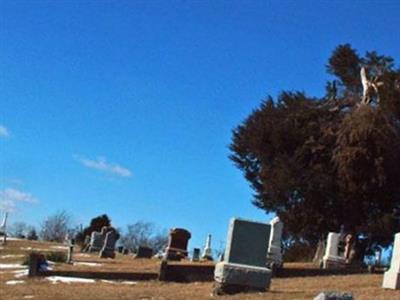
{"x":56,"y":227}
{"x":18,"y":229}
{"x":144,"y":233}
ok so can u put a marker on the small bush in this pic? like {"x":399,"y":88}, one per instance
{"x":57,"y":257}
{"x":32,"y":235}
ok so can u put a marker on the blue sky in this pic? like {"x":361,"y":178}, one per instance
{"x":127,"y":107}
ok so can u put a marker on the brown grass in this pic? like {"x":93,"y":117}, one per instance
{"x":363,"y":287}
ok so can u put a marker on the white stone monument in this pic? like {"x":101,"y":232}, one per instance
{"x":332,"y":258}
{"x":207,"y":252}
{"x":3,"y":227}
{"x":274,"y":256}
{"x":391,"y":278}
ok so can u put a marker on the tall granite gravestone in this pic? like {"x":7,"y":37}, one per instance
{"x":177,"y":244}
{"x":108,"y":249}
{"x":243,"y":267}
{"x":207,"y":252}
{"x":144,"y":252}
{"x":274,"y":256}
{"x":391,"y":278}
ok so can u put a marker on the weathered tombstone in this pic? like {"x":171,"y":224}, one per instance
{"x":108,"y":250}
{"x":177,"y":244}
{"x":144,"y":252}
{"x":391,"y":278}
{"x":86,"y":244}
{"x":334,"y":296}
{"x":196,"y":254}
{"x":97,"y":240}
{"x":243,"y":268}
{"x":274,"y":256}
{"x":70,"y":254}
{"x":207,"y":252}
{"x":333,"y":258}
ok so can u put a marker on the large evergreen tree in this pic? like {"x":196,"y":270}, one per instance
{"x":321,"y":163}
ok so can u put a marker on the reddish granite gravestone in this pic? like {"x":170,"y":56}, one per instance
{"x":177,"y":244}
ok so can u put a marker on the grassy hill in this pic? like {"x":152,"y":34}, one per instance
{"x":14,"y":283}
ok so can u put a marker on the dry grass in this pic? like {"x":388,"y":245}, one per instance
{"x":363,"y":287}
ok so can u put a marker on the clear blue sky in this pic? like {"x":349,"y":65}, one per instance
{"x":127,"y":107}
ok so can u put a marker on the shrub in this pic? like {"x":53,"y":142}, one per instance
{"x":56,"y":257}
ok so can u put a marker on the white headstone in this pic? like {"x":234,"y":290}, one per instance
{"x":332,"y":257}
{"x":207,"y":252}
{"x":274,"y":255}
{"x":4,"y":223}
{"x":391,"y":278}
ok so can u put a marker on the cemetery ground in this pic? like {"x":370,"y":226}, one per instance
{"x":14,"y":283}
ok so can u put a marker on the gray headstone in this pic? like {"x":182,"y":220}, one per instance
{"x":108,"y":250}
{"x":96,"y":241}
{"x":334,"y":296}
{"x":247,"y":243}
{"x":274,"y":257}
{"x":196,"y":254}
{"x":243,"y":267}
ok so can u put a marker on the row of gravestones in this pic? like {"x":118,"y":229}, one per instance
{"x":244,"y":267}
{"x":339,"y":253}
{"x":252,"y":250}
{"x":103,"y":242}
{"x":246,"y":256}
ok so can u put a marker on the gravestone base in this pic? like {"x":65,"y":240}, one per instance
{"x":391,"y":280}
{"x":107,"y":254}
{"x":207,"y":258}
{"x":93,"y":249}
{"x":334,"y":296}
{"x":220,"y":289}
{"x":231,"y":277}
{"x":333,"y":262}
{"x":175,"y":254}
